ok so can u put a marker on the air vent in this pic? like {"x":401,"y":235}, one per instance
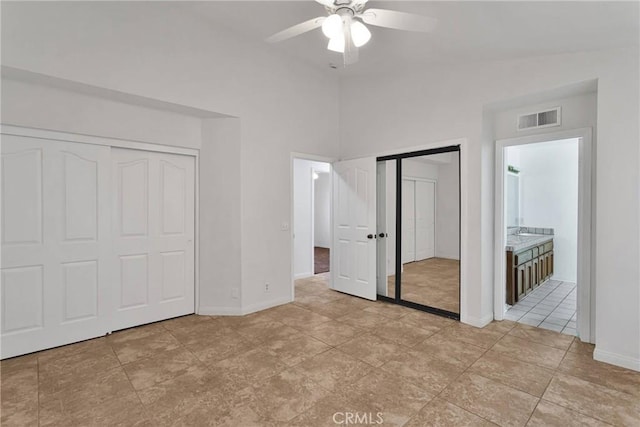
{"x":541,"y":119}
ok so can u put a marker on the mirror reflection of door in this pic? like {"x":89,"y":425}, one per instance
{"x":431,"y":231}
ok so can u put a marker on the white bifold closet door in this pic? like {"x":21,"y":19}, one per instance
{"x":153,"y":201}
{"x":418,"y":220}
{"x":94,"y":239}
{"x":55,"y":252}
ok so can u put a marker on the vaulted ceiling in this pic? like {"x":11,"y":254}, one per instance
{"x":466,"y":32}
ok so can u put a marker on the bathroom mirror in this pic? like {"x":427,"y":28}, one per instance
{"x":513,"y":200}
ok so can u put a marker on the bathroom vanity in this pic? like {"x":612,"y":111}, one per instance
{"x":529,"y":261}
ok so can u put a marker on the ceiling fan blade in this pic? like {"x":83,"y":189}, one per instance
{"x":350,"y":55}
{"x":398,"y":20}
{"x":327,"y":3}
{"x":296,"y":30}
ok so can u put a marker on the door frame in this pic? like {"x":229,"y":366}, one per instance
{"x":8,"y":129}
{"x":586,"y":226}
{"x":435,"y":206}
{"x":314,"y":158}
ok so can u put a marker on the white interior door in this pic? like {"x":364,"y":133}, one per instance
{"x":408,"y":221}
{"x":55,"y":223}
{"x":353,"y":258}
{"x":425,"y":219}
{"x":153,"y":232}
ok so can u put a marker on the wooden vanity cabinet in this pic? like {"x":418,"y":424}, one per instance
{"x":527,"y":269}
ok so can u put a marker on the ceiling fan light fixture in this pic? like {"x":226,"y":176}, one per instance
{"x":360,"y":34}
{"x":336,"y":44}
{"x":332,"y":26}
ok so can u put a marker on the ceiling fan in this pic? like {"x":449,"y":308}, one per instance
{"x":345,"y":31}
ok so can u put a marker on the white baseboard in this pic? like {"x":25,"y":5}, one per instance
{"x":241,"y":311}
{"x":302,"y":275}
{"x":220,"y":311}
{"x":478,"y":322}
{"x":616,"y":359}
{"x":263,"y":305}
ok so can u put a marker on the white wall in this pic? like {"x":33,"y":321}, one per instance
{"x":160,"y":50}
{"x":423,"y":105}
{"x":322,"y":211}
{"x":303,"y":215}
{"x":42,"y":106}
{"x":549,"y":198}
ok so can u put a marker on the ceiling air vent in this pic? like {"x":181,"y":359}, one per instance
{"x":541,"y":119}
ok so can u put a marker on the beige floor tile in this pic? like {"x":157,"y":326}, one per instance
{"x":284,"y":396}
{"x":423,"y":370}
{"x":215,"y":348}
{"x":491,"y":400}
{"x":335,"y":310}
{"x":249,"y":319}
{"x":165,"y":365}
{"x":136,"y":333}
{"x":596,"y":401}
{"x":440,"y":413}
{"x":427,"y":321}
{"x":135,"y":349}
{"x":479,"y":337}
{"x":584,"y":367}
{"x":121,"y":410}
{"x":524,"y":376}
{"x":262,"y":331}
{"x":201,"y":331}
{"x":334,"y":333}
{"x":372,"y":349}
{"x":77,"y":397}
{"x":528,"y":351}
{"x":94,"y":345}
{"x":387,"y":393}
{"x":327,"y":412}
{"x":333,"y":369}
{"x":402,"y":333}
{"x":578,"y":346}
{"x":548,"y":414}
{"x":363,"y":320}
{"x":185,"y":321}
{"x":19,"y":392}
{"x":295,"y":348}
{"x":292,"y":315}
{"x":542,"y":336}
{"x":449,"y":349}
{"x":252,"y":366}
{"x":502,"y":326}
{"x":80,"y":367}
{"x":392,"y":311}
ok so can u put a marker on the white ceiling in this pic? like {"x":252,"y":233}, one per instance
{"x":467,"y":31}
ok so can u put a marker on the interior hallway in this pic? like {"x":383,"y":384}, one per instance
{"x":300,"y":363}
{"x":434,"y":282}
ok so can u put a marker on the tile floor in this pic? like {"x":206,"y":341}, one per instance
{"x":550,"y":306}
{"x":434,"y":282}
{"x":324,"y":356}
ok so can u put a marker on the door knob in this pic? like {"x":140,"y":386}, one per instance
{"x":381,"y":235}
{"x":370,"y":236}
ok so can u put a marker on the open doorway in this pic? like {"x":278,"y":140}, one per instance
{"x":311,"y":220}
{"x":542,"y":234}
{"x":543,"y":230}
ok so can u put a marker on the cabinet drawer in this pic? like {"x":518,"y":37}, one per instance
{"x":548,"y":246}
{"x":523,"y":257}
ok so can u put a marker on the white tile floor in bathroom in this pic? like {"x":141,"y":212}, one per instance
{"x":550,"y":306}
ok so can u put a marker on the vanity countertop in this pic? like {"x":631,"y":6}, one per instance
{"x":517,"y":242}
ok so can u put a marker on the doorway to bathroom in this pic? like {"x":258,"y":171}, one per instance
{"x":543,"y":229}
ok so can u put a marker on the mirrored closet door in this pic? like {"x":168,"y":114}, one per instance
{"x":419,"y":230}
